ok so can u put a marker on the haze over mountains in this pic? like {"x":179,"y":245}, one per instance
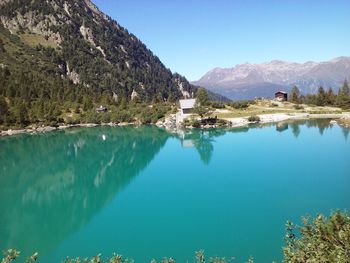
{"x":248,"y":81}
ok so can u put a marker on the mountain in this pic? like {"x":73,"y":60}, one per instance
{"x":74,"y":46}
{"x":262,"y":80}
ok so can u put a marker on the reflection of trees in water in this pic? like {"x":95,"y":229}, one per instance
{"x":202,"y":140}
{"x":295,"y":129}
{"x":55,"y":183}
{"x":346,"y":132}
{"x":321,"y":124}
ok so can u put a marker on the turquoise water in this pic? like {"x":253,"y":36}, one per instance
{"x":146,"y":193}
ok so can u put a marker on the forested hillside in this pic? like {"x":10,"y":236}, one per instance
{"x":60,"y":55}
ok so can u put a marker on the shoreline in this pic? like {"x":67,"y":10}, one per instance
{"x":280,"y":117}
{"x":342,"y":119}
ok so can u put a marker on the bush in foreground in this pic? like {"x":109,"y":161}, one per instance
{"x":321,"y":239}
{"x":254,"y":119}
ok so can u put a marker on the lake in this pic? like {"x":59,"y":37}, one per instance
{"x":146,"y":193}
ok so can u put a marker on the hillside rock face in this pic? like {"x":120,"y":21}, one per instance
{"x":262,"y":80}
{"x":100,"y":53}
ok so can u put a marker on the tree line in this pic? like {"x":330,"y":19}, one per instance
{"x":323,"y":97}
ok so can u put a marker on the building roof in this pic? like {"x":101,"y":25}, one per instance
{"x":283,"y":92}
{"x":187,"y":104}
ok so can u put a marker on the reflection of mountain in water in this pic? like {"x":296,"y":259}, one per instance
{"x":73,"y":173}
{"x":53,"y":184}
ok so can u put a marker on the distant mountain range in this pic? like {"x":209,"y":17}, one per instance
{"x":248,"y":81}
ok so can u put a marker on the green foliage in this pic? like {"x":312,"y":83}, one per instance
{"x":321,"y":239}
{"x":201,"y":110}
{"x":345,"y":89}
{"x":254,"y":118}
{"x":241,"y":104}
{"x":202,"y":97}
{"x":201,"y":106}
{"x":3,"y":110}
{"x":294,"y":95}
{"x":10,"y":255}
{"x":321,"y":97}
{"x":217,"y":104}
{"x":87,"y":103}
{"x":298,"y":107}
{"x":39,"y":76}
{"x":343,"y":98}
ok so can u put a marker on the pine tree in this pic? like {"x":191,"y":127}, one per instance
{"x":3,"y":109}
{"x":343,"y":98}
{"x":294,"y":97}
{"x":21,"y":113}
{"x":87,"y":103}
{"x":330,"y":97}
{"x":345,"y":89}
{"x":321,"y":97}
{"x":202,"y":97}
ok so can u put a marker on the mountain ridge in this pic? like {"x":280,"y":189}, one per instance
{"x":249,"y":80}
{"x":89,"y":43}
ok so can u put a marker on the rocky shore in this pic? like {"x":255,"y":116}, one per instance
{"x":279,"y":117}
{"x":171,"y":122}
{"x":45,"y":129}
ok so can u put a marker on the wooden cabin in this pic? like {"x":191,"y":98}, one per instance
{"x":187,"y":105}
{"x":281,"y":96}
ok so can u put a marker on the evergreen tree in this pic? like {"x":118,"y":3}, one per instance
{"x":21,"y":113}
{"x":201,"y":105}
{"x":345,"y":89}
{"x":343,"y":98}
{"x":171,"y":98}
{"x":321,"y":97}
{"x":202,"y":97}
{"x":4,"y":110}
{"x":2,"y":48}
{"x":87,"y":103}
{"x":294,"y":97}
{"x":330,"y":97}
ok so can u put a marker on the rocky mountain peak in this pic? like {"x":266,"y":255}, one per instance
{"x":100,"y":53}
{"x":261,"y":78}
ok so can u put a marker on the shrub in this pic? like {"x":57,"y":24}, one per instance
{"x":320,"y":239}
{"x":242,"y":104}
{"x":196,"y":124}
{"x":298,"y":107}
{"x":217,"y":105}
{"x":254,"y":118}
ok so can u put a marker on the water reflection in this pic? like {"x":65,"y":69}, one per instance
{"x":73,"y":173}
{"x":321,"y":124}
{"x":53,"y":184}
{"x":282,"y":126}
{"x":202,"y":140}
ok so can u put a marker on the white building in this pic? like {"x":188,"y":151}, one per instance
{"x":187,"y":105}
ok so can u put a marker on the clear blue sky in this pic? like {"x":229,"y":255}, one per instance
{"x":193,"y":36}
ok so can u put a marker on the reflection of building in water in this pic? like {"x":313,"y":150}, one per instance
{"x":187,"y":143}
{"x":200,"y":140}
{"x":282,"y":126}
{"x":186,"y":140}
